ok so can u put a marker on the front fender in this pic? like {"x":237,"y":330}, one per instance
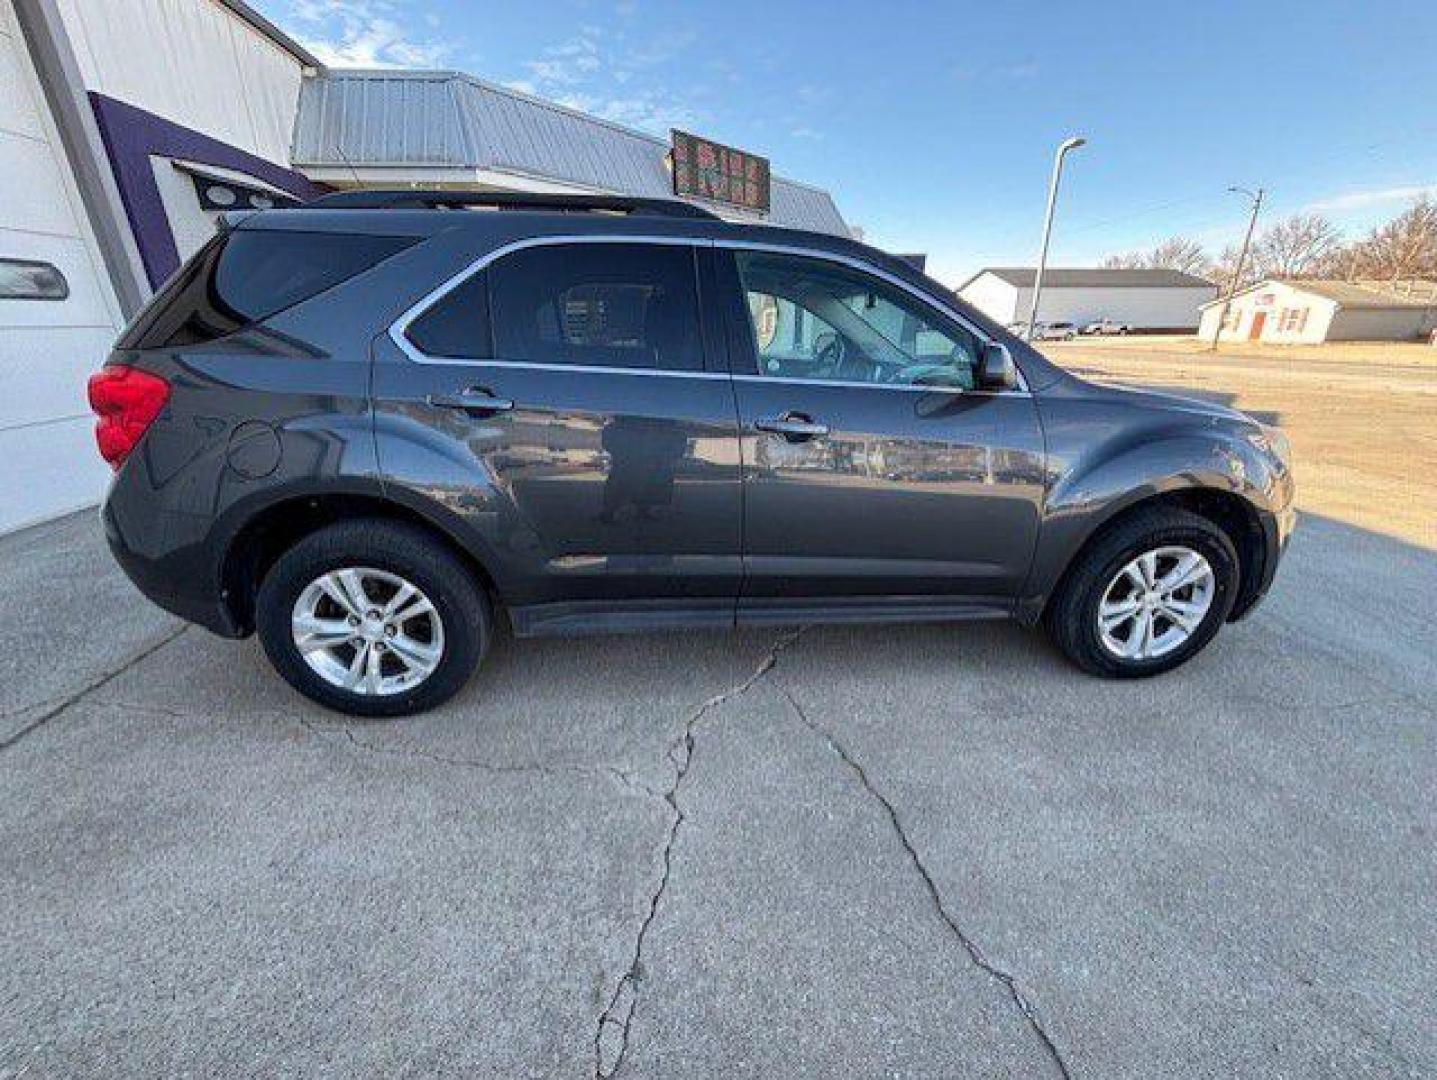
{"x":1090,"y":488}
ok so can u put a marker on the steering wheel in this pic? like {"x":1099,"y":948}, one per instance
{"x":938,"y":376}
{"x":828,"y":351}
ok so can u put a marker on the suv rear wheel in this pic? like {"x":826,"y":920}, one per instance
{"x":1146,"y":595}
{"x":373,"y":618}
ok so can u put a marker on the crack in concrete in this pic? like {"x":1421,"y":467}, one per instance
{"x":610,"y":772}
{"x":56,"y":707}
{"x":611,"y":1036}
{"x":975,"y":953}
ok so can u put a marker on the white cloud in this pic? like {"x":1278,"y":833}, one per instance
{"x":602,"y":72}
{"x":570,"y":62}
{"x":366,"y":33}
{"x":1359,"y":200}
{"x":804,"y":132}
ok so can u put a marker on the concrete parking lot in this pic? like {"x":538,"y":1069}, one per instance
{"x":931,"y":851}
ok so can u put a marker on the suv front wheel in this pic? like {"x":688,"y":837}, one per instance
{"x":373,"y":618}
{"x":1146,"y":595}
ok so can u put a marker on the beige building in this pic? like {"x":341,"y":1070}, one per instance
{"x":1306,"y":311}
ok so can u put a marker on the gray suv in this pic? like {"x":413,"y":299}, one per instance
{"x":372,"y":428}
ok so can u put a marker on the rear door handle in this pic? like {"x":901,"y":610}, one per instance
{"x":475,"y":399}
{"x":793,"y":426}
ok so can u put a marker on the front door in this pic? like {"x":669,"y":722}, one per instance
{"x":1259,"y":320}
{"x":875,"y":473}
{"x":559,"y":400}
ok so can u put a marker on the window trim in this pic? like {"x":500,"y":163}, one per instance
{"x":398,"y":329}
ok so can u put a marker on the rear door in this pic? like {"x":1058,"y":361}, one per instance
{"x":874,"y":471}
{"x":561,"y":399}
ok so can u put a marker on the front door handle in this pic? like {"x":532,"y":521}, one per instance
{"x":793,"y":426}
{"x":475,"y":400}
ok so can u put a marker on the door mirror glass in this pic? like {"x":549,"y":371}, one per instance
{"x":996,"y":370}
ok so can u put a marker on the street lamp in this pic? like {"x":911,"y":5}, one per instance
{"x":1063,"y":148}
{"x":1256,"y":197}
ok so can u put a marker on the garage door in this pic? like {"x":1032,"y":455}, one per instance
{"x":57,"y":313}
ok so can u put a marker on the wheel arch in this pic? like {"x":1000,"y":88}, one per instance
{"x":1235,"y":515}
{"x":268,"y":532}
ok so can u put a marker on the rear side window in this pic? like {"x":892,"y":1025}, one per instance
{"x":458,"y":324}
{"x":247,"y":276}
{"x":598,"y":305}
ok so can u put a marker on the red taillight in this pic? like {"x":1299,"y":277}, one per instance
{"x":127,"y":402}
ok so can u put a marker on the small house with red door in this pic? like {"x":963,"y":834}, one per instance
{"x":1308,"y":311}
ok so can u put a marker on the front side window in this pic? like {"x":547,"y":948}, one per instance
{"x":597,"y":305}
{"x":814,"y":319}
{"x":26,"y":279}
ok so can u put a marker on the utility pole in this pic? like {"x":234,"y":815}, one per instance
{"x":1063,"y":148}
{"x":1256,"y":198}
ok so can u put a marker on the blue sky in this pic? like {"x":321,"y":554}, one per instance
{"x":933,"y":124}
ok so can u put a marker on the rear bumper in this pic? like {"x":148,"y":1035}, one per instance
{"x":178,"y":582}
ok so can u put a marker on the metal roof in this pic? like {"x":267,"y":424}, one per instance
{"x":1096,"y":277}
{"x":1384,"y":295}
{"x":449,"y":119}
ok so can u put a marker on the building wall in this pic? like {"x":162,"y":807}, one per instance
{"x":1144,"y":309}
{"x":1396,"y":324}
{"x":47,"y":348}
{"x":994,"y":297}
{"x":193,"y":63}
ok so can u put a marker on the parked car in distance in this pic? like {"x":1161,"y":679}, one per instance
{"x":1054,"y":331}
{"x":1106,"y":326}
{"x":373,"y":431}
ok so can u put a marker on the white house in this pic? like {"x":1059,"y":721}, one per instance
{"x":1301,"y":311}
{"x":1143,"y":299}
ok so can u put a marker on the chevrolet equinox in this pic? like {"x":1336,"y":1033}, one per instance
{"x":370,"y":428}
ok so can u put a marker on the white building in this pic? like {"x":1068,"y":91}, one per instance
{"x":127,"y":126}
{"x":123,"y":124}
{"x":1307,"y":311}
{"x":1143,"y":299}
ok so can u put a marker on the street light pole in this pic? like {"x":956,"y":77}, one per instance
{"x":1256,"y":198}
{"x":1063,"y":148}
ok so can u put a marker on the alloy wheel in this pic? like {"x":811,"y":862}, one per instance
{"x":367,"y":631}
{"x":1155,"y":603}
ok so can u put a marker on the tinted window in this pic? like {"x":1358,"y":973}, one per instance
{"x":247,"y":276}
{"x":814,"y":319}
{"x":25,"y":279}
{"x":603,"y":305}
{"x":458,"y":325}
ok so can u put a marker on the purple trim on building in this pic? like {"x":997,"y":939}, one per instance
{"x":132,"y":135}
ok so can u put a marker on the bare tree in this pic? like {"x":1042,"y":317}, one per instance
{"x":1297,"y":247}
{"x":1220,"y":272}
{"x":1405,"y":247}
{"x":1177,"y":253}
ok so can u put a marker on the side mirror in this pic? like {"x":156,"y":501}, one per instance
{"x":996,"y":370}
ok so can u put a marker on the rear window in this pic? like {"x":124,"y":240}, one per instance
{"x":244,"y":277}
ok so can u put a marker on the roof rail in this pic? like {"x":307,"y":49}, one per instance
{"x":420,"y":199}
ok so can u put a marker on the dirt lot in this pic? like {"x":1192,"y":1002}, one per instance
{"x":1362,"y":417}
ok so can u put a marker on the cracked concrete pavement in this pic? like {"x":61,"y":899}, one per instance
{"x":917,"y":851}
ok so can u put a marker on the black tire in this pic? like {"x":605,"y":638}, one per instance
{"x":1072,"y":616}
{"x":397,"y":548}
